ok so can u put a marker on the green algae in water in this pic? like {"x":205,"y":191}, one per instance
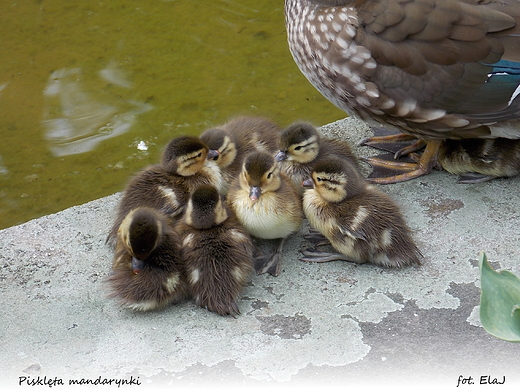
{"x":83,"y":83}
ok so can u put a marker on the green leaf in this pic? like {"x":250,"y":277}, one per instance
{"x":499,"y":302}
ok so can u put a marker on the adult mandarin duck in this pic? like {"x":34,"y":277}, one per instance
{"x":431,"y":69}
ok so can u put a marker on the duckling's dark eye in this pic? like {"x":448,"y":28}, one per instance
{"x":298,"y":148}
{"x":269,"y":175}
{"x":320,"y":179}
{"x":199,"y":155}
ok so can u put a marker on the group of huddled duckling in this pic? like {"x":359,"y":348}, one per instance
{"x":184,"y":227}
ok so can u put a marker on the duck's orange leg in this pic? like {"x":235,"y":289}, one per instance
{"x":424,"y":165}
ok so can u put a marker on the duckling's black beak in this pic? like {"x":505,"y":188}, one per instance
{"x":137,"y":265}
{"x":308,"y":183}
{"x":213,"y":154}
{"x":280,"y":156}
{"x":254,"y":193}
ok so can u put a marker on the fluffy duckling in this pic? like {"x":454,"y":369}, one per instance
{"x":479,"y":160}
{"x":267,"y":204}
{"x":302,"y":147}
{"x":234,"y":140}
{"x":167,"y":186}
{"x":147,"y":268}
{"x":217,"y":251}
{"x":359,"y":221}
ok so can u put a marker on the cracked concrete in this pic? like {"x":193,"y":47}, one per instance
{"x":331,"y":324}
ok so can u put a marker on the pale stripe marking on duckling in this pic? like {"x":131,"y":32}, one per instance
{"x":359,"y":218}
{"x":262,"y":146}
{"x":124,"y":227}
{"x":386,"y":238}
{"x":170,"y":194}
{"x":228,"y":153}
{"x":220,"y":213}
{"x":142,"y":306}
{"x":194,"y":276}
{"x":190,"y":158}
{"x":224,"y":149}
{"x":159,"y":233}
{"x":171,"y":283}
{"x":187,"y":242}
{"x":239,"y":275}
{"x":214,"y":173}
{"x":123,"y":230}
{"x":188,"y":216}
{"x":238,"y":236}
{"x":308,"y":150}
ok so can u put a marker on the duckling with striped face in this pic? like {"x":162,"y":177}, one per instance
{"x":147,"y":267}
{"x":167,"y":186}
{"x":234,"y":140}
{"x":267,"y":204}
{"x":217,"y":251}
{"x":302,"y":147}
{"x":358,"y":220}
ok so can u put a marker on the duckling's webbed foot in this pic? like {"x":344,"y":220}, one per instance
{"x":270,"y":263}
{"x":316,"y":238}
{"x":474,"y":177}
{"x":313,"y":255}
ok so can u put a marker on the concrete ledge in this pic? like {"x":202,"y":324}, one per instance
{"x":333,"y":324}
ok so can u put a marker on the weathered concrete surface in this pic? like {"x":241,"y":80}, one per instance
{"x":333,"y":324}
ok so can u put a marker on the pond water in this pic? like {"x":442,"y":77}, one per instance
{"x":91,"y":91}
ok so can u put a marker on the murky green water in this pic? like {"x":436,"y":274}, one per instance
{"x":82,"y":83}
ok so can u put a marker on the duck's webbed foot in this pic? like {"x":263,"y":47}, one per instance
{"x":387,"y":169}
{"x":270,"y":263}
{"x":403,"y":170}
{"x":315,"y":256}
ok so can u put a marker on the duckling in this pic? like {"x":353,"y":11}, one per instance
{"x":167,"y":186}
{"x":479,"y":160}
{"x":234,"y":140}
{"x":147,"y":267}
{"x":267,"y":204}
{"x":358,"y":220}
{"x":302,"y":147}
{"x":217,"y":251}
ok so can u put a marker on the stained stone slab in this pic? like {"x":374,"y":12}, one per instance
{"x":333,"y":324}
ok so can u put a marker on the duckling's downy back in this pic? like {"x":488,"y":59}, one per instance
{"x":217,"y":252}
